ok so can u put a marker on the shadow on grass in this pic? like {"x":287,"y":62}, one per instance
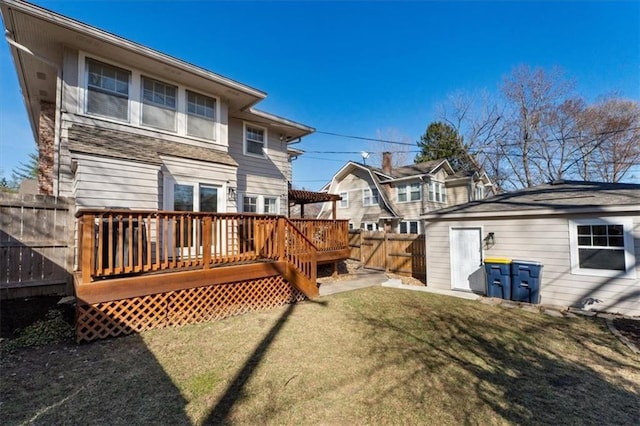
{"x":512,"y":363}
{"x":115,"y":382}
{"x":235,"y":391}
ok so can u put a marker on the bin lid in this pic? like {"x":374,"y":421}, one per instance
{"x":504,"y":260}
{"x":527,"y":262}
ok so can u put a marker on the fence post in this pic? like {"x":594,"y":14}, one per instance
{"x":386,"y":252}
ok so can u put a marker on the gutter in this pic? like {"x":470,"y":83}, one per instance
{"x":435,"y":217}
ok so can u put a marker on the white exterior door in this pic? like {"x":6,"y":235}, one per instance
{"x":465,"y":245}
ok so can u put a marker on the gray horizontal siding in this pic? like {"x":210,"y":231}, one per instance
{"x":545,"y":240}
{"x":99,"y":183}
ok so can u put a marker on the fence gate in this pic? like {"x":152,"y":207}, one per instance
{"x":403,"y":254}
{"x":373,"y":250}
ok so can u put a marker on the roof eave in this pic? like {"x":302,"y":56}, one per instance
{"x":434,"y":216}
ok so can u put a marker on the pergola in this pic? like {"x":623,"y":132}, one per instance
{"x":302,"y":197}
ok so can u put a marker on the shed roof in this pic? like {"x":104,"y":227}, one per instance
{"x":559,"y":197}
{"x":128,"y":146}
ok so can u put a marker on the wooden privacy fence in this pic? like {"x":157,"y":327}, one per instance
{"x":36,"y":245}
{"x":403,"y":254}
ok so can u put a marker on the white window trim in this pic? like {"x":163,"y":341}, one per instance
{"x":244,"y":140}
{"x":376,"y":227}
{"x":408,"y":225}
{"x":443,"y":193}
{"x":407,"y":189}
{"x":345,"y":199}
{"x":371,"y":197}
{"x":135,"y":100}
{"x":629,"y":250}
{"x":259,"y":202}
{"x":169,"y":181}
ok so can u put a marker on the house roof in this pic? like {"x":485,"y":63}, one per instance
{"x":128,"y":146}
{"x":38,"y":38}
{"x":418,"y":169}
{"x":554,"y":198}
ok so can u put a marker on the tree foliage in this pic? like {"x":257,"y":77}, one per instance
{"x":442,"y":141}
{"x":536,"y":129}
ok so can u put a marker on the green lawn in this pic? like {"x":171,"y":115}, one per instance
{"x":374,"y":356}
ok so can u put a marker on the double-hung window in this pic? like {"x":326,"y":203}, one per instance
{"x":201,"y":115}
{"x":255,"y":140}
{"x":410,"y":192}
{"x":250,"y":204}
{"x":408,"y":227}
{"x":159,"y":104}
{"x":344,"y":202}
{"x":270,"y":205}
{"x":437,"y":192}
{"x":370,"y":197}
{"x":107,"y":90}
{"x":602,"y":247}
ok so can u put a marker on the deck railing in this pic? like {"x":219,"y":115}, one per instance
{"x":326,"y":235}
{"x":115,"y":243}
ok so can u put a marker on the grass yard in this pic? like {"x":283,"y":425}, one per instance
{"x":374,"y":356}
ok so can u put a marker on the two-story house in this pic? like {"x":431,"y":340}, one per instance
{"x":393,"y":199}
{"x":118,"y":124}
{"x":180,"y":185}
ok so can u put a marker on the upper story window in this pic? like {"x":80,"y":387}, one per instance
{"x":201,"y":115}
{"x":255,"y":140}
{"x":409,"y":192}
{"x":115,"y":93}
{"x":344,"y":203}
{"x":107,"y":90}
{"x":159,"y":104}
{"x":479,"y":192}
{"x":437,"y":192}
{"x":370,"y":197}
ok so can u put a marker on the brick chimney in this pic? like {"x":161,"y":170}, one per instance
{"x":386,"y":163}
{"x":46,"y":132}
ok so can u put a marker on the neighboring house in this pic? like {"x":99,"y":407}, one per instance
{"x":393,"y":199}
{"x":118,"y":124}
{"x":586,"y":235}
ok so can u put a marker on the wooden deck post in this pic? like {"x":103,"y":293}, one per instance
{"x":281,"y":238}
{"x":88,"y":244}
{"x":206,"y":242}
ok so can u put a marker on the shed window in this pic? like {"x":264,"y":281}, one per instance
{"x":602,"y":247}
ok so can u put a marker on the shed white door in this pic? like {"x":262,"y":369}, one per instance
{"x":466,"y":259}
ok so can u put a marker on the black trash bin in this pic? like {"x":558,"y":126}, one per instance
{"x":498,"y":273}
{"x":525,"y":281}
{"x":127,"y":245}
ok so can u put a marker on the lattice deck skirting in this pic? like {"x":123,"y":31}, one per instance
{"x":180,"y":307}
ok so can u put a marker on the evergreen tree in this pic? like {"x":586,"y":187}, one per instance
{"x":442,"y":142}
{"x":26,"y":170}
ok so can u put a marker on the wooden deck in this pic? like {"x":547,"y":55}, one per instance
{"x":132,"y":265}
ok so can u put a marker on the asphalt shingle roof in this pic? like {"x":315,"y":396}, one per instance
{"x":133,"y":147}
{"x":562,"y":195}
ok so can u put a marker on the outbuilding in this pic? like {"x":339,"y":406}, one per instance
{"x":585,"y":234}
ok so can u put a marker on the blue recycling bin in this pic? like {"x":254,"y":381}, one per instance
{"x":525,"y":281}
{"x":498,"y":274}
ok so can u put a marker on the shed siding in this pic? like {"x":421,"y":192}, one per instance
{"x":545,"y":240}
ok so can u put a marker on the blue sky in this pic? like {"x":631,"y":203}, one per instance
{"x":371,"y":69}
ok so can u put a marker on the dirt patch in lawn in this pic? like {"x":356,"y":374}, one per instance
{"x":629,"y":328}
{"x":372,"y":356}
